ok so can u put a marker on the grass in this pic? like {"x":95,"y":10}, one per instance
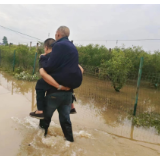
{"x":147,"y":120}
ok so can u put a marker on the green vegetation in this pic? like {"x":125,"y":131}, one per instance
{"x":5,"y":41}
{"x":117,"y":69}
{"x":118,"y":64}
{"x":148,"y":120}
{"x":24,"y":61}
{"x":95,"y":55}
{"x":24,"y":58}
{"x":26,"y":76}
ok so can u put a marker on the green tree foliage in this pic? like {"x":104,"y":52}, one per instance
{"x":95,"y":57}
{"x":5,"y":41}
{"x":92,"y":54}
{"x":24,"y":57}
{"x":117,"y":68}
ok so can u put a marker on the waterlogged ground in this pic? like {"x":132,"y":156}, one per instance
{"x":100,"y":127}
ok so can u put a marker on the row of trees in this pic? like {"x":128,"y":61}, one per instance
{"x":120,"y":63}
{"x":97,"y":56}
{"x":24,"y":59}
{"x":117,"y":64}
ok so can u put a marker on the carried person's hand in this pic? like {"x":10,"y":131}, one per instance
{"x":65,"y":88}
{"x":42,"y":55}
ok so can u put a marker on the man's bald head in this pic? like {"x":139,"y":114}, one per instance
{"x":62,"y":31}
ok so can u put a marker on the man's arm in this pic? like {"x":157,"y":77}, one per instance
{"x":47,"y":78}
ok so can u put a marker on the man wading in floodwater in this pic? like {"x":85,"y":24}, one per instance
{"x":63,"y":67}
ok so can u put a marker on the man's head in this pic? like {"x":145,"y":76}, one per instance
{"x":61,"y":32}
{"x":48,"y":45}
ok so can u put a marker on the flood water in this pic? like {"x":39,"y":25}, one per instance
{"x":100,"y":127}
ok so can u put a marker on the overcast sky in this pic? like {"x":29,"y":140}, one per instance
{"x":87,"y":23}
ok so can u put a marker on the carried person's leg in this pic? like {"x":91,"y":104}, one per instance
{"x":40,"y":97}
{"x":64,"y":116}
{"x":73,"y":110}
{"x":41,"y":88}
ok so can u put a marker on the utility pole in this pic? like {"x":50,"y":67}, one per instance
{"x":30,"y":46}
{"x":37,"y":46}
{"x":48,"y":35}
{"x":34,"y":67}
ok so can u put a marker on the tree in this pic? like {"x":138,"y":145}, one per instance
{"x":116,"y":69}
{"x":5,"y":41}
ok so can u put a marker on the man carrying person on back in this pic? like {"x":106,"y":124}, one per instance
{"x":63,"y":67}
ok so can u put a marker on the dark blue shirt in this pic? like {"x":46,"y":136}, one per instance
{"x":62,"y":64}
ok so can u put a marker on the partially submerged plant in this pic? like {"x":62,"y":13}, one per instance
{"x":26,"y":76}
{"x":148,"y":120}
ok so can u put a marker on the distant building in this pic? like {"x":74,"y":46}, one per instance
{"x":1,"y":44}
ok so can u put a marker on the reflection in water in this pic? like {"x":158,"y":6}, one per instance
{"x":101,"y":121}
{"x":132,"y":129}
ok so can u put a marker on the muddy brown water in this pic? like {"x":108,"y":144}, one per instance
{"x":100,"y":127}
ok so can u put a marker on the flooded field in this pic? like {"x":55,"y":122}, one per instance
{"x":100,"y":127}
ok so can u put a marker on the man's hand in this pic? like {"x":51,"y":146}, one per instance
{"x":65,"y":88}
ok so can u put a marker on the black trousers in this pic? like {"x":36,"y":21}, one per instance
{"x":62,"y":102}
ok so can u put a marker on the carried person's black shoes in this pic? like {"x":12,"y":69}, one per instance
{"x":73,"y":111}
{"x":35,"y":115}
